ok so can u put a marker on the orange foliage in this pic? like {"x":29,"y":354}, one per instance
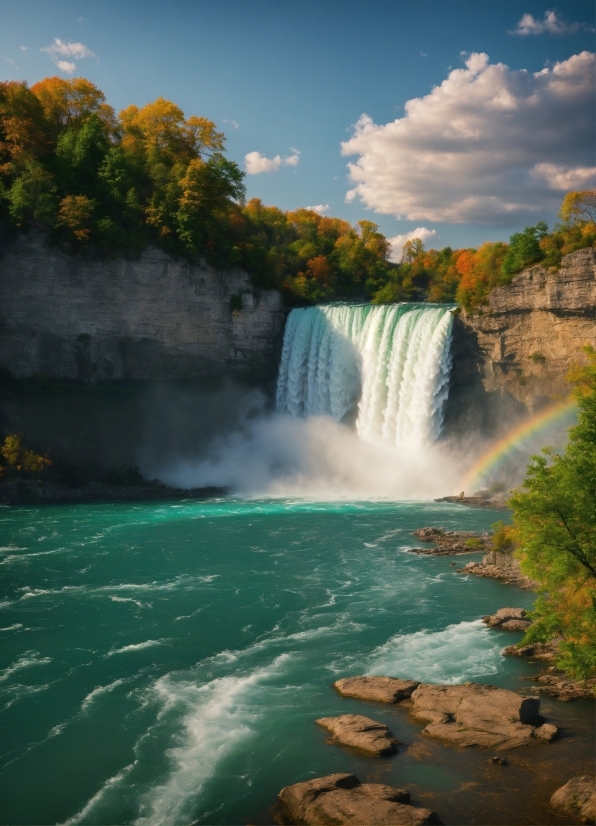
{"x":70,"y":102}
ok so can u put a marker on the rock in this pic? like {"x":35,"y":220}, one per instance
{"x":360,"y":733}
{"x":500,"y":566}
{"x":546,"y":732}
{"x":519,"y":346}
{"x":341,"y":798}
{"x":537,"y":651}
{"x":578,"y":798}
{"x":509,"y":619}
{"x":449,"y":543}
{"x":515,"y":625}
{"x":498,"y":761}
{"x":553,"y":683}
{"x":479,"y":715}
{"x":378,"y":689}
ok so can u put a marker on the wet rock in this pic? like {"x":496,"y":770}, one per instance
{"x":537,"y":651}
{"x":341,"y":798}
{"x":498,"y":761}
{"x":577,"y":798}
{"x":500,"y":566}
{"x":449,"y":543}
{"x":508,"y":619}
{"x":553,"y":683}
{"x":378,"y":689}
{"x":546,"y":732}
{"x":360,"y":733}
{"x":479,"y":715}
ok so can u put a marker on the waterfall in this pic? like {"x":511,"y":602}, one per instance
{"x":389,"y":365}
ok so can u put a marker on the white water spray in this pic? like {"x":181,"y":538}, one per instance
{"x":384,"y":368}
{"x":389,"y":363}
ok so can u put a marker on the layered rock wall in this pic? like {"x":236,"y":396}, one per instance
{"x":512,"y":358}
{"x":153,"y":318}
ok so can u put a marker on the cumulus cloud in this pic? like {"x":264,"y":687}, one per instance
{"x":255,"y":163}
{"x":320,"y":208}
{"x":59,"y":49}
{"x":66,"y":66}
{"x":550,"y":24}
{"x":397,"y":243}
{"x":487,"y":146}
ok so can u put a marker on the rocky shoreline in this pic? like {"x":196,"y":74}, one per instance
{"x":464,"y":716}
{"x":33,"y":492}
{"x":500,"y":566}
{"x":451,"y":543}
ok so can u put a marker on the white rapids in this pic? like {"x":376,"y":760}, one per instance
{"x":388,"y":365}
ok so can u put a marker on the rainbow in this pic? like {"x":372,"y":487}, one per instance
{"x":515,"y":440}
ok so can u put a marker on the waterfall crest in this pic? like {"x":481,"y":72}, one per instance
{"x":387,"y":364}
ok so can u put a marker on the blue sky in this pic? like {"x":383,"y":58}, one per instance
{"x":291,"y":79}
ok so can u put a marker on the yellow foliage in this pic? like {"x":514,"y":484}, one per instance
{"x":66,"y":102}
{"x":159,"y":130}
{"x":75,"y":213}
{"x":20,"y":458}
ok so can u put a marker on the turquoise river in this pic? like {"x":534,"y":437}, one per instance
{"x":164,"y":663}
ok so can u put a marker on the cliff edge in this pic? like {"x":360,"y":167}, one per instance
{"x":512,"y":357}
{"x":91,"y":319}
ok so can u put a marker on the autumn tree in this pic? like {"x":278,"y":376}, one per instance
{"x":15,"y":456}
{"x":554,"y":515}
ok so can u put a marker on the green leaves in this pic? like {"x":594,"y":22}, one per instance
{"x":555,"y":526}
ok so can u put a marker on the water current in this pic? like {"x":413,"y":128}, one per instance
{"x":164,"y":663}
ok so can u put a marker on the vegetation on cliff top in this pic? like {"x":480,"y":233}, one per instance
{"x":554,"y":518}
{"x":115,"y":183}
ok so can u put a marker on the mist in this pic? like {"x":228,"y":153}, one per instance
{"x":315,"y":458}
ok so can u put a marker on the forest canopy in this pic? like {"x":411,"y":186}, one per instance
{"x":112,"y":184}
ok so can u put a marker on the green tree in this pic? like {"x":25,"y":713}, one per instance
{"x":524,"y":249}
{"x":554,"y":516}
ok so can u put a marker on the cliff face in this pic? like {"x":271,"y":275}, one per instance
{"x":514,"y":356}
{"x":93,"y":319}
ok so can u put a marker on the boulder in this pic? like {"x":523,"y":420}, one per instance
{"x":508,"y":619}
{"x":360,"y":733}
{"x":341,"y":798}
{"x":378,"y":689}
{"x":577,"y":798}
{"x":536,"y":651}
{"x":480,"y":715}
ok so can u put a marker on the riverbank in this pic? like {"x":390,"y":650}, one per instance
{"x":49,"y":492}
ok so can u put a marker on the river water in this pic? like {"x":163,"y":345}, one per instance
{"x":165,"y":663}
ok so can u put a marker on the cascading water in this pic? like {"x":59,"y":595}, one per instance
{"x":390,"y":364}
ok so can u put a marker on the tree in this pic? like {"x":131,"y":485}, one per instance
{"x":524,"y":249}
{"x":69,"y":103}
{"x":554,"y":516}
{"x":20,"y":458}
{"x":578,"y":207}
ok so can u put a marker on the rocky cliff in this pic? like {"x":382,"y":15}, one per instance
{"x":153,"y":318}
{"x":512,"y":358}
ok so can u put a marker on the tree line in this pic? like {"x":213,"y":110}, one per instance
{"x":112,"y":184}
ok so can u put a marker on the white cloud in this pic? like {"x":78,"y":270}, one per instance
{"x":550,"y":24}
{"x":398,"y":241}
{"x":12,"y":63}
{"x":256,"y":163}
{"x":233,"y":123}
{"x":66,"y":66}
{"x":481,"y":147}
{"x":23,"y":48}
{"x":320,"y":208}
{"x":564,"y":178}
{"x":60,"y":49}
